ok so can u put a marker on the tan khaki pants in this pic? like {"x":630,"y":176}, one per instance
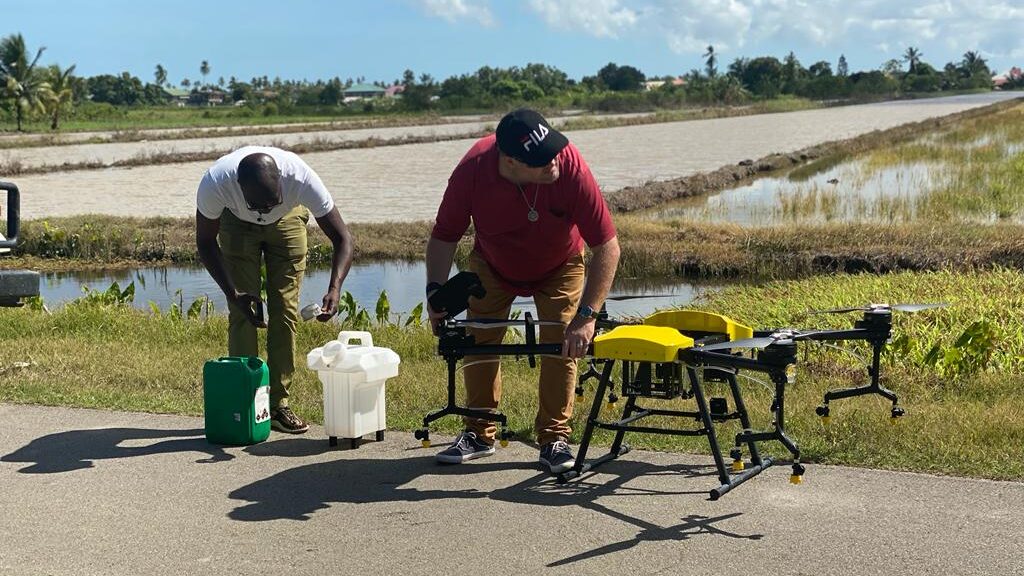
{"x":557,"y":299}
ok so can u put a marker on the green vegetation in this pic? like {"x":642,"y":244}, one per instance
{"x":963,"y":401}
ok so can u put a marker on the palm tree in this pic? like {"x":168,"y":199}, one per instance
{"x":973,"y":63}
{"x":160,"y":75}
{"x":204,"y":69}
{"x":710,"y":62}
{"x":20,"y":81}
{"x":58,"y":92}
{"x":912,"y":57}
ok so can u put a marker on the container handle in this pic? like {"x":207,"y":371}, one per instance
{"x":346,"y":336}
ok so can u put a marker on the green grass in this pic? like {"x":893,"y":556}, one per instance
{"x":963,"y":419}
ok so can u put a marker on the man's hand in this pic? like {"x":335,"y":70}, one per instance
{"x":251,"y":306}
{"x":330,"y":305}
{"x":578,"y":335}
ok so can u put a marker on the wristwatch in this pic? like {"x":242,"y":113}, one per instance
{"x":585,"y":311}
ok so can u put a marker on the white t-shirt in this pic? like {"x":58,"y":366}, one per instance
{"x":219,"y":188}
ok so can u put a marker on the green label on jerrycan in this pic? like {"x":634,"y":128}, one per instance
{"x":236,"y":400}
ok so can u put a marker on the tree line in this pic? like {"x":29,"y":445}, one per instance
{"x":31,"y":91}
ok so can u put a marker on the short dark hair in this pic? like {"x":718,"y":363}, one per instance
{"x":257,"y":167}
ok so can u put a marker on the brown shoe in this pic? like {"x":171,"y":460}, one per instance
{"x":284,"y":420}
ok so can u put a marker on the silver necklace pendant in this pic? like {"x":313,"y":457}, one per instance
{"x":532,"y":215}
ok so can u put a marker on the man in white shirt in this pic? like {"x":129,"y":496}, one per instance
{"x":258,"y":200}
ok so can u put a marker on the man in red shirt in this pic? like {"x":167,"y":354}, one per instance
{"x":533,"y":203}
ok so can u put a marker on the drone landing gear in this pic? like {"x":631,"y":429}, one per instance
{"x":423,"y":434}
{"x":664,"y":381}
{"x":875,"y":387}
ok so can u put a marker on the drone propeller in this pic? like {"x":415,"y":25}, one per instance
{"x":614,"y":298}
{"x":869,"y":307}
{"x":760,"y":341}
{"x":637,"y":296}
{"x":484,"y":323}
{"x":918,"y":307}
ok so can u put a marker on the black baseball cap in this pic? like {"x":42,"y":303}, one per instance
{"x":526,"y":136}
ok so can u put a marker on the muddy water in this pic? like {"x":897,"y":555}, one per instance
{"x":403,"y":283}
{"x":404,"y":183}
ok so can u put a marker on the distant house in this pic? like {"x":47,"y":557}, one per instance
{"x":1015,"y":75}
{"x":359,"y":91}
{"x":211,"y":97}
{"x":176,"y":96}
{"x":394,"y":91}
{"x":655,"y":84}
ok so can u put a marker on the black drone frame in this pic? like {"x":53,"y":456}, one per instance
{"x":718,"y":363}
{"x":875,"y":328}
{"x":455,"y":344}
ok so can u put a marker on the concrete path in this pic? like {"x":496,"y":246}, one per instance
{"x":94,"y":492}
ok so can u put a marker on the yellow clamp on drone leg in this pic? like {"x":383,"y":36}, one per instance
{"x":612,"y":399}
{"x":737,"y":460}
{"x":824,"y":413}
{"x":798,"y":474}
{"x":423,"y":435}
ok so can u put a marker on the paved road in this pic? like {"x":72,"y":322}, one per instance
{"x":94,"y":492}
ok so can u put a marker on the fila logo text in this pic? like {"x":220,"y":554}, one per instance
{"x":535,"y":137}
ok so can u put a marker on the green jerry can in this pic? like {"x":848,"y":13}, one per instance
{"x":236,"y":400}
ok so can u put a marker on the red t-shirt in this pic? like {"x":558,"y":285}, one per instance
{"x":571,"y":210}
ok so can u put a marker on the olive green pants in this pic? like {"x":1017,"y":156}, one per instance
{"x":282,"y":247}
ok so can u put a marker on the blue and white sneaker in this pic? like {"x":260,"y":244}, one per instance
{"x":557,"y":456}
{"x":466,"y":447}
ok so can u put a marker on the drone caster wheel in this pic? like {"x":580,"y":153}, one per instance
{"x":737,"y":465}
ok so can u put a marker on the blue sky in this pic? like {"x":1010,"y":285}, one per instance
{"x":379,"y":39}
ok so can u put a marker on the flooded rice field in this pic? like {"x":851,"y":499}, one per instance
{"x":403,"y":283}
{"x":950,"y":176}
{"x":846,"y":193}
{"x":405,"y":183}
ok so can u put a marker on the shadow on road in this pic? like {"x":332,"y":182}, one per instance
{"x":78,"y":449}
{"x":299,"y":492}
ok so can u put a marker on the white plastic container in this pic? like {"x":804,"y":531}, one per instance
{"x":353,"y":372}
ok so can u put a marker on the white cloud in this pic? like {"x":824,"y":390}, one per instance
{"x":453,"y":10}
{"x":601,"y":18}
{"x":942,"y":29}
{"x":690,"y":26}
